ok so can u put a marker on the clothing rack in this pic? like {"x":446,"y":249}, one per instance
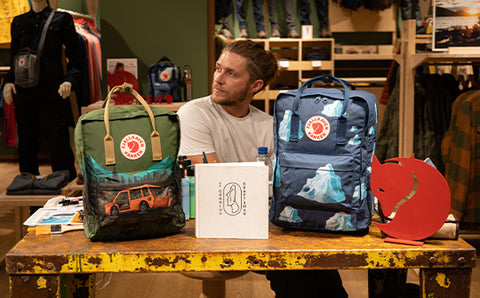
{"x":77,"y":14}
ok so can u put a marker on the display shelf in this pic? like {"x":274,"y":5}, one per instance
{"x":364,"y":56}
{"x":409,"y":60}
{"x":294,"y":68}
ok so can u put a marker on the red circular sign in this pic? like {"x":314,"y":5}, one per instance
{"x":132,"y":146}
{"x":317,"y":128}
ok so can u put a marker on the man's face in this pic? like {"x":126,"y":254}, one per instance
{"x":231,"y":80}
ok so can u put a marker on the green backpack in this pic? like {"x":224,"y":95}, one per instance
{"x":128,"y":158}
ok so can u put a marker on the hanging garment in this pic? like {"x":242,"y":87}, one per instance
{"x":461,"y":154}
{"x":434,"y":96}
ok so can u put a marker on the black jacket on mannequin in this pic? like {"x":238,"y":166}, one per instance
{"x":26,"y":31}
{"x":41,"y":113}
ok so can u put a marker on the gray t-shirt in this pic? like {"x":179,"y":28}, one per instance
{"x":207,"y":127}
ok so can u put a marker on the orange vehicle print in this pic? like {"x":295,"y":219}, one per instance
{"x":140,"y":198}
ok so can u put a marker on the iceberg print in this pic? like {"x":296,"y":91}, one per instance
{"x":324,"y":187}
{"x":289,"y":214}
{"x":354,"y":128}
{"x":276,"y":174}
{"x":360,"y":192}
{"x":284,"y":128}
{"x":364,"y":191}
{"x":371,"y":131}
{"x":355,"y":140}
{"x":334,"y":109}
{"x":339,"y":221}
{"x":356,"y":193}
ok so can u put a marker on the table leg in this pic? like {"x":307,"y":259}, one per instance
{"x":52,"y":285}
{"x":446,"y":282}
{"x":18,"y":223}
{"x":213,"y":289}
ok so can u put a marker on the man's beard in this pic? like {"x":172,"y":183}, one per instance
{"x":231,"y":99}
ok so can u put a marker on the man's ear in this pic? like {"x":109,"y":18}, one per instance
{"x":257,"y":86}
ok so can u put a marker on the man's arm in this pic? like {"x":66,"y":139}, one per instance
{"x":196,"y":136}
{"x":211,"y":158}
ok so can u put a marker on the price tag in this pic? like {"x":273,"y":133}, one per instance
{"x":317,"y":63}
{"x":284,"y":64}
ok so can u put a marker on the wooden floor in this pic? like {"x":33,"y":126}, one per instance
{"x":147,"y":285}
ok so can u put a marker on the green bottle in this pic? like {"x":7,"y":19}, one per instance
{"x":191,"y":180}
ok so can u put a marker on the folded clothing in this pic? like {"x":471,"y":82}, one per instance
{"x":29,"y":184}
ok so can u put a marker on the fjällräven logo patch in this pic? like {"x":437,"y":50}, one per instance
{"x":165,"y":76}
{"x":317,"y":128}
{"x":132,"y":146}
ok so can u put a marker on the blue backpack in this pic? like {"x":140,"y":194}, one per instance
{"x":324,"y":140}
{"x":165,"y":81}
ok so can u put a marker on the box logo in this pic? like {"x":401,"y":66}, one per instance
{"x":232,"y":198}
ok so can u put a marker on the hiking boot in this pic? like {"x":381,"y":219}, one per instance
{"x":225,"y":32}
{"x":262,"y":34}
{"x":275,"y":32}
{"x":325,"y":32}
{"x":243,"y":33}
{"x":293,"y":33}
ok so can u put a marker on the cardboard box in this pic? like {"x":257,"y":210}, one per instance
{"x":231,"y":200}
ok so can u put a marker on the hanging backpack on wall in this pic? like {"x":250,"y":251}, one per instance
{"x":127,"y":155}
{"x":324,"y":140}
{"x":165,"y":81}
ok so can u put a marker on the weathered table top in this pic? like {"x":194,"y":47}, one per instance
{"x":72,"y":252}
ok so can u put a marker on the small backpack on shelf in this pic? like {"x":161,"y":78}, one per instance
{"x":165,"y":81}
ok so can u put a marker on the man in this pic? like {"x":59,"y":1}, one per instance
{"x":227,"y":128}
{"x":224,"y":125}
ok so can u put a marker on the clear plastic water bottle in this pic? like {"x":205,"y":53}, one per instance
{"x":262,"y":156}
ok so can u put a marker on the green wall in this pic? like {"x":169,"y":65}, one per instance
{"x":149,"y":30}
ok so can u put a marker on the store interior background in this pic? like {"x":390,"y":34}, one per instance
{"x":184,"y":32}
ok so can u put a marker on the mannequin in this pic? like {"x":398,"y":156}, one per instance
{"x":322,"y":13}
{"x":43,"y":111}
{"x":9,"y":88}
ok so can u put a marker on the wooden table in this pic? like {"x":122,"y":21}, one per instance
{"x":21,"y":203}
{"x":66,"y":261}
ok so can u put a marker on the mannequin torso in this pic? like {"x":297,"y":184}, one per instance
{"x":9,"y":88}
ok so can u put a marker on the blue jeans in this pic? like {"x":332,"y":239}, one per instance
{"x":223,"y":8}
{"x":289,"y":14}
{"x":257,"y":14}
{"x":322,"y":12}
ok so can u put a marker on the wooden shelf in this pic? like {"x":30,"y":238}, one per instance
{"x":363,"y":56}
{"x":293,"y":66}
{"x":409,"y":60}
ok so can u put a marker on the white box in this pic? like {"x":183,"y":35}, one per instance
{"x":307,"y":31}
{"x":231,"y":200}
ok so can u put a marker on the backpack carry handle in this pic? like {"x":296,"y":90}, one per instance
{"x":164,"y":58}
{"x":108,"y":140}
{"x":326,"y":78}
{"x":342,"y":129}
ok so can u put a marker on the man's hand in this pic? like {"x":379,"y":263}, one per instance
{"x":7,"y":92}
{"x":211,"y":158}
{"x":64,"y":89}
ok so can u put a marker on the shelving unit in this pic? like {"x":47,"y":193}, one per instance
{"x":409,"y":60}
{"x":294,"y":68}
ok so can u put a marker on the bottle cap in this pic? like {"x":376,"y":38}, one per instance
{"x":262,"y":150}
